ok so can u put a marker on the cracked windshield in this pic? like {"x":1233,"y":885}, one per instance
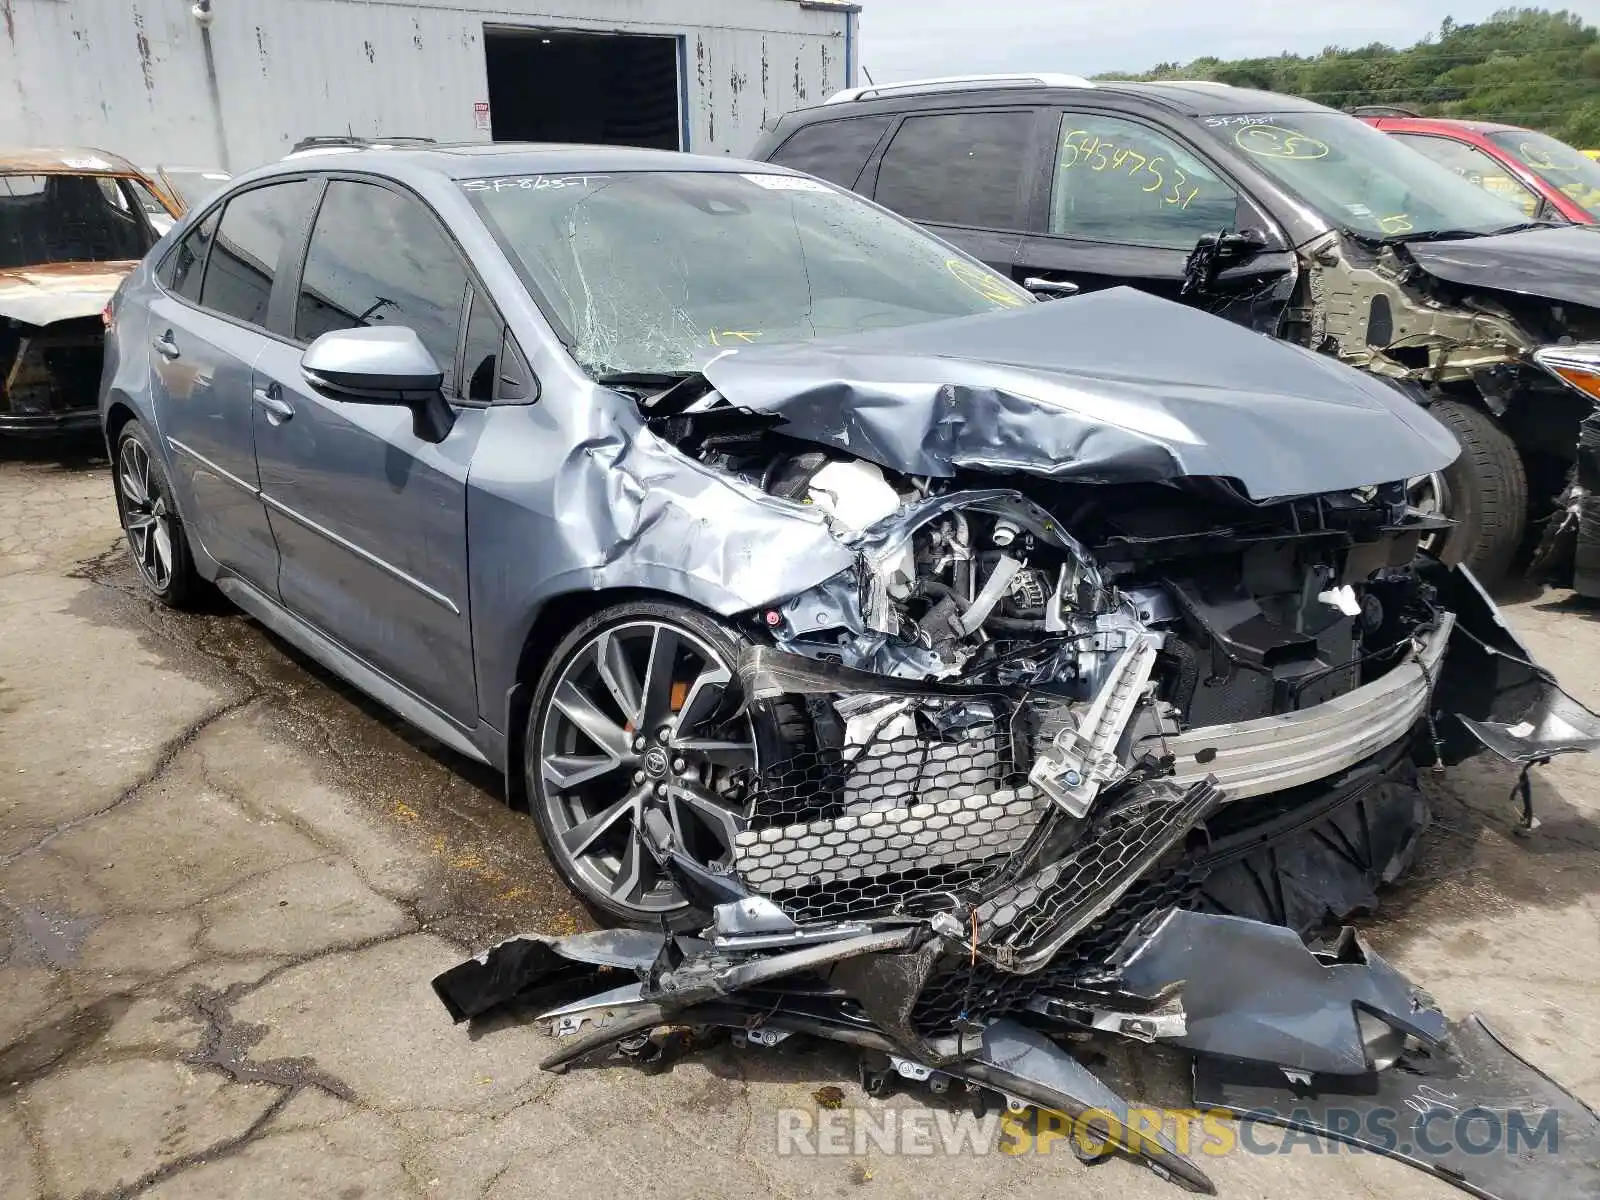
{"x":654,"y":272}
{"x":1363,"y":180}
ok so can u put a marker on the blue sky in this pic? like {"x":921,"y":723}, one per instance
{"x":902,"y":39}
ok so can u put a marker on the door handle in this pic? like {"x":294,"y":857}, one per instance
{"x":278,"y":409}
{"x":1049,"y":288}
{"x":165,"y":345}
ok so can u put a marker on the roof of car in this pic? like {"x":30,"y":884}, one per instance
{"x":1450,"y":123}
{"x":65,"y":160}
{"x":1202,"y":98}
{"x":1187,"y":96}
{"x":479,"y":160}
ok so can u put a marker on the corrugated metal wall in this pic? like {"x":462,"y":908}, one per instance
{"x":131,"y":76}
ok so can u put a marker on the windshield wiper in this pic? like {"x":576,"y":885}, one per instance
{"x":644,"y":379}
{"x":1458,"y":235}
{"x":659,"y":393}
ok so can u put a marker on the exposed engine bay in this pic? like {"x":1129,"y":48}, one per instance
{"x":50,"y":371}
{"x":1469,"y":323}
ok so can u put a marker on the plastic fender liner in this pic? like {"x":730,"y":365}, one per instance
{"x":1557,"y":724}
{"x":1491,"y":693}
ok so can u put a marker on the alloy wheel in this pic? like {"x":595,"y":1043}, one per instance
{"x":639,"y":722}
{"x":146,"y":515}
{"x":1429,"y":496}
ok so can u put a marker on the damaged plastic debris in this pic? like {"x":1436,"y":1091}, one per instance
{"x":1343,"y":1011}
{"x":1309,"y":1015}
{"x":532,"y":965}
{"x":1557,"y":724}
{"x":1474,"y":1114}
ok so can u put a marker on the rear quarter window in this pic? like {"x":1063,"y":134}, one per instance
{"x":243,"y":259}
{"x":961,"y":169}
{"x":834,"y":150}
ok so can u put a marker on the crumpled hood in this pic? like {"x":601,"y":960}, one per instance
{"x":1112,"y":387}
{"x":59,"y":291}
{"x":1561,"y":264}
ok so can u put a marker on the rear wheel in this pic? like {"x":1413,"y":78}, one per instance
{"x":634,"y":714}
{"x":1485,"y":491}
{"x":156,"y":541}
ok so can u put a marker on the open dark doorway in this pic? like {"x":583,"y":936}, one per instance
{"x":549,"y":85}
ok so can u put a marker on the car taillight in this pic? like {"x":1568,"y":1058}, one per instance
{"x":108,"y":315}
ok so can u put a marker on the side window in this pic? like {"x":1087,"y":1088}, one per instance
{"x":1474,"y":166}
{"x":181,"y":269}
{"x":958,"y":168}
{"x":379,"y":258}
{"x":244,"y":256}
{"x":481,"y":358}
{"x":833,"y":150}
{"x":148,"y":200}
{"x":1119,"y":181}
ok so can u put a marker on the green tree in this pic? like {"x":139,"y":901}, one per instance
{"x":1524,"y":66}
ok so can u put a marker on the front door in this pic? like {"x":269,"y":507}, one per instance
{"x":1126,"y":203}
{"x":370,"y":520}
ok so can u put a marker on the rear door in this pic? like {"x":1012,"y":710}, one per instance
{"x":966,"y":175}
{"x":370,"y":519}
{"x":208,"y":325}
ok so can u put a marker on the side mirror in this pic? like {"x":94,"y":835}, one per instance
{"x":1215,"y":252}
{"x":381,"y":365}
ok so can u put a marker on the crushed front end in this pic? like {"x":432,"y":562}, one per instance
{"x":1069,"y":782}
{"x":1116,"y":687}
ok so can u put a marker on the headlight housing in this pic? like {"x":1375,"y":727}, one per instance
{"x":1576,"y":366}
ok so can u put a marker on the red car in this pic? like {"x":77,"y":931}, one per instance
{"x":1546,"y":178}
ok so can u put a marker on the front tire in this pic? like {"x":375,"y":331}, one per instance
{"x":147,"y":506}
{"x":1487,"y":489}
{"x":634,"y":713}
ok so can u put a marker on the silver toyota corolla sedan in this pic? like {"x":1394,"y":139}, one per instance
{"x":741,"y":522}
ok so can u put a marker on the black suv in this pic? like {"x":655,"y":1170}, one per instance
{"x":1294,"y":219}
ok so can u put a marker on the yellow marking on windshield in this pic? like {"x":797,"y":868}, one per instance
{"x":718,"y":336}
{"x":987,"y":284}
{"x":1274,"y":141}
{"x":1398,"y":223}
{"x":1541,"y":160}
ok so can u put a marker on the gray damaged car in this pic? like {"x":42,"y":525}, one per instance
{"x":906,"y":662}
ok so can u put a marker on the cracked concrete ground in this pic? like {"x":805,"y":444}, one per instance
{"x":226,"y":880}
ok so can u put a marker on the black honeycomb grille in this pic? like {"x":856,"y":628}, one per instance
{"x":919,"y":816}
{"x":1124,"y":840}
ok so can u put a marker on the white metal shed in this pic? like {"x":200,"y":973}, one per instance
{"x":237,"y":82}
